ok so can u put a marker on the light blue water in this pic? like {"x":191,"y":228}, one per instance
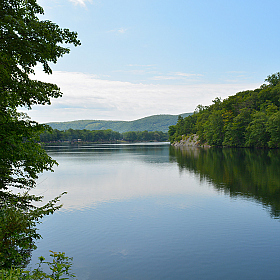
{"x":132,"y":213}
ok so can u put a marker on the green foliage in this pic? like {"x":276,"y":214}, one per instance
{"x":21,"y":156}
{"x":273,"y":128}
{"x":60,"y":269}
{"x":25,"y":41}
{"x":151,"y":123}
{"x":18,"y":226}
{"x":184,"y":126}
{"x":257,"y":135}
{"x":101,"y":136}
{"x":171,"y":133}
{"x":214,"y":129}
{"x":17,"y":237}
{"x":273,"y":79}
{"x":247,"y":119}
{"x":236,"y":129}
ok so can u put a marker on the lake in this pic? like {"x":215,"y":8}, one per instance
{"x":150,"y":211}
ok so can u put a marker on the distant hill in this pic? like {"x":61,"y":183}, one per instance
{"x":151,"y":123}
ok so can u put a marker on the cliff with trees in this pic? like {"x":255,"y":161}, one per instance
{"x":247,"y":119}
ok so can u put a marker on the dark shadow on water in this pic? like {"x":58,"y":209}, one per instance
{"x":250,"y":173}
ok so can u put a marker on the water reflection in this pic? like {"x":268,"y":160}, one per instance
{"x":251,"y":173}
{"x":103,"y":173}
{"x":153,"y":212}
{"x":154,"y":152}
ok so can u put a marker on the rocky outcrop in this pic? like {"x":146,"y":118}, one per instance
{"x":190,"y":141}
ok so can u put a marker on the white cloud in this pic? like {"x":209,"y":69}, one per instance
{"x":122,"y":30}
{"x":176,"y":76}
{"x":140,"y":65}
{"x":80,"y":2}
{"x":89,"y":97}
{"x":119,"y":30}
{"x":187,"y":74}
{"x":159,"y":78}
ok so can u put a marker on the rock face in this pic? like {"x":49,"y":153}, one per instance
{"x":190,"y":141}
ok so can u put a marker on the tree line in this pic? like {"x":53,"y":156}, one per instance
{"x":247,"y":119}
{"x":101,"y":136}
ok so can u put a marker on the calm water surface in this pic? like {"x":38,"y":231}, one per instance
{"x":149,"y":211}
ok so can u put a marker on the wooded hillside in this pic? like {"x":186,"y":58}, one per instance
{"x":151,"y":123}
{"x":247,"y":119}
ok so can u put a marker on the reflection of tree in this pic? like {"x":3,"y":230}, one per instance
{"x":152,"y":152}
{"x":241,"y":172}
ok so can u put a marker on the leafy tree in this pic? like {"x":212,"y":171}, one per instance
{"x":214,"y":129}
{"x":176,"y":131}
{"x":235,"y":131}
{"x":202,"y":117}
{"x":247,"y":119}
{"x":171,"y":133}
{"x":256,"y":131}
{"x":130,"y":136}
{"x":189,"y":124}
{"x":273,"y":127}
{"x":107,"y":135}
{"x":273,"y":79}
{"x":59,"y":267}
{"x":18,"y":230}
{"x":25,"y":41}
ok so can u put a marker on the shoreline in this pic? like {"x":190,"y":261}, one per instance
{"x":190,"y":141}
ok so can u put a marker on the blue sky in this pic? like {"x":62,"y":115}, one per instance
{"x":141,"y":58}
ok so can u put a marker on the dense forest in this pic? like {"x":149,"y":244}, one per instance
{"x":101,"y":136}
{"x":247,"y":119}
{"x":150,"y":123}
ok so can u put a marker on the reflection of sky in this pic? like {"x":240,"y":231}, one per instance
{"x":105,"y":173}
{"x":130,"y":214}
